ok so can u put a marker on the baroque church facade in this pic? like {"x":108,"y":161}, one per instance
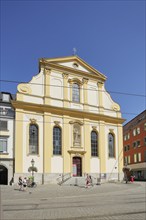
{"x":67,"y":123}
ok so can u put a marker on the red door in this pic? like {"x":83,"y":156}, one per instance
{"x":77,"y":161}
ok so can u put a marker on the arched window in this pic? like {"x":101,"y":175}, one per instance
{"x":33,"y":139}
{"x":94,"y":144}
{"x":111,"y":145}
{"x":75,"y":92}
{"x":57,"y":141}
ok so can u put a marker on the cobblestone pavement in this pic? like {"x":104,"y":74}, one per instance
{"x":109,"y":201}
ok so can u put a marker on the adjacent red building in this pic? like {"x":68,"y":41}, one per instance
{"x":134,"y":134}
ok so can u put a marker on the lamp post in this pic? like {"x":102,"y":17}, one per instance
{"x":32,"y":164}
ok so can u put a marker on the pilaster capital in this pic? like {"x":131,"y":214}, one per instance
{"x":100,"y":84}
{"x":85,"y":80}
{"x":65,"y":75}
{"x":47,"y":71}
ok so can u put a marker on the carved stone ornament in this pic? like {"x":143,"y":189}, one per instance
{"x":56,"y":122}
{"x":94,"y":128}
{"x":111,"y":130}
{"x":33,"y":120}
{"x":76,"y":121}
{"x":75,"y":80}
{"x":116,"y":107}
{"x":47,"y":71}
{"x":24,"y":88}
{"x":76,"y":134}
{"x":85,"y":80}
{"x":65,"y":75}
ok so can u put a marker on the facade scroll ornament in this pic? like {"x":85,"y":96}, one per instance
{"x":24,"y":88}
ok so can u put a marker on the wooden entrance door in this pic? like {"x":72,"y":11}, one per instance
{"x":78,"y":162}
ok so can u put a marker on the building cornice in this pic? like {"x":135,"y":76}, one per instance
{"x":66,"y":111}
{"x":94,"y":75}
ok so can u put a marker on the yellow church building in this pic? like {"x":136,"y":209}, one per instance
{"x":67,"y":123}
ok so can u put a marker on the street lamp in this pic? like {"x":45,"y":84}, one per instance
{"x":32,"y":164}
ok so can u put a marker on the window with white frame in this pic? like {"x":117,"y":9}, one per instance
{"x":33,"y":139}
{"x":94,"y":144}
{"x":111,"y":145}
{"x":75,"y":93}
{"x":6,"y":97}
{"x":3,"y":144}
{"x":134,"y":132}
{"x":139,"y":157}
{"x":135,"y":158}
{"x":57,"y":146}
{"x":145,"y":126}
{"x":138,"y":130}
{"x":3,"y":125}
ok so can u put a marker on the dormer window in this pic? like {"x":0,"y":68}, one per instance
{"x":6,"y":98}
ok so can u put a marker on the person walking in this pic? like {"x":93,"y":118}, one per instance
{"x":24,"y":183}
{"x":20,"y":183}
{"x":87,"y":180}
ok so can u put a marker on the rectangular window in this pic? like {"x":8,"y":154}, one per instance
{"x":3,"y":126}
{"x":134,"y":132}
{"x":145,"y":141}
{"x":6,"y":98}
{"x":135,"y":158}
{"x":139,"y":157}
{"x":3,"y":144}
{"x":138,"y":131}
{"x":138,"y":143}
{"x":145,"y":156}
{"x":129,"y":159}
{"x":134,"y":145}
{"x":125,"y":161}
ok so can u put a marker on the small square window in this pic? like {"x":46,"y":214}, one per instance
{"x":6,"y":98}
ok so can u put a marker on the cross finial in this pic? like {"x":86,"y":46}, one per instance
{"x":74,"y":51}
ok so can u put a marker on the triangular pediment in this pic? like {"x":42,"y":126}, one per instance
{"x":74,"y":63}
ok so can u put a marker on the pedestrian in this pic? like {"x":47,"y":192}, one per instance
{"x":90,"y":181}
{"x":87,"y":180}
{"x":20,"y":183}
{"x":24,"y":183}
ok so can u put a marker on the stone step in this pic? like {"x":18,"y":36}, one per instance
{"x":79,"y":181}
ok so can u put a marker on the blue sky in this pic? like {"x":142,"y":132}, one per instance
{"x":109,"y":35}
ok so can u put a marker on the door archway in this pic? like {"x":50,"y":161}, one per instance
{"x":3,"y":175}
{"x":77,"y":166}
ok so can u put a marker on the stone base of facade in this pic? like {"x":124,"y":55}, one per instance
{"x":56,"y":178}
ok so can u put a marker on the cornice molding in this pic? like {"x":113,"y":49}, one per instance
{"x":66,"y":111}
{"x":91,"y":74}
